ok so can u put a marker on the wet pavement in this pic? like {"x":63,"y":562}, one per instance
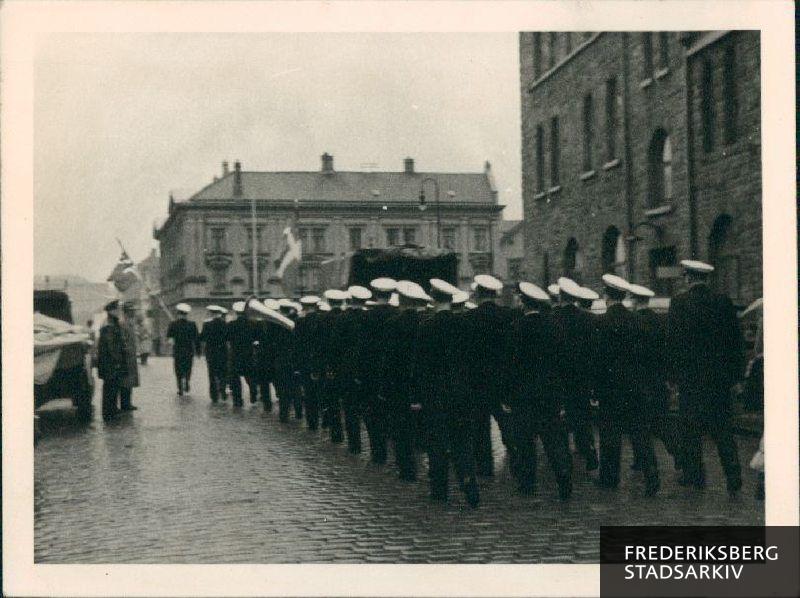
{"x":182,"y":480}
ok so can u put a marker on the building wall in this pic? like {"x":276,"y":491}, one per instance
{"x":619,"y":189}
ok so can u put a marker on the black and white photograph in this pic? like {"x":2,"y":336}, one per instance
{"x":394,"y":297}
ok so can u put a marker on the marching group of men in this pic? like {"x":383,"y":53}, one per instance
{"x":431,"y":368}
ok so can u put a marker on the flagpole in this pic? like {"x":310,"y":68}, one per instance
{"x":253,"y":251}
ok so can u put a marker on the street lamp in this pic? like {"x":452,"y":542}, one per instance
{"x":422,"y":205}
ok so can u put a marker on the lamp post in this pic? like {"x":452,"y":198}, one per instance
{"x":422,"y":205}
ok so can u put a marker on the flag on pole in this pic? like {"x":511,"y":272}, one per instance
{"x":289,"y":261}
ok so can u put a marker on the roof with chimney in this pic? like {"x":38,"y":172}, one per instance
{"x":331,"y":185}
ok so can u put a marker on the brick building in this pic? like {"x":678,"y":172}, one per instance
{"x":640,"y":149}
{"x":206,"y":241}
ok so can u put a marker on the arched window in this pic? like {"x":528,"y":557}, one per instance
{"x":572,"y":262}
{"x":613,"y":254}
{"x":722,"y":256}
{"x":660,"y":169}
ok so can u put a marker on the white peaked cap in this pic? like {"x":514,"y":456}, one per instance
{"x":297,"y":306}
{"x":324,"y":306}
{"x":285,"y":302}
{"x":359,"y":292}
{"x":569,"y":286}
{"x":697,"y":266}
{"x":183,"y":308}
{"x":443,"y":286}
{"x":615,"y":282}
{"x":489,"y":282}
{"x":384,"y":284}
{"x":335,"y":295}
{"x":238,"y":307}
{"x":461,"y":297}
{"x":470,"y":305}
{"x":412,"y":290}
{"x":553,"y":289}
{"x":222,"y":310}
{"x":588,"y":294}
{"x":214,"y":308}
{"x":309,"y":300}
{"x":272,"y":304}
{"x":641,"y":291}
{"x":531,"y":291}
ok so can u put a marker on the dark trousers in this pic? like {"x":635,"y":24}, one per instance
{"x":612,"y":429}
{"x":449,"y":441}
{"x":482,"y":441}
{"x":125,"y":398}
{"x":182,"y":365}
{"x":333,"y":408}
{"x":297,"y":395}
{"x":578,"y":422}
{"x":216,"y":376}
{"x":285,"y":389}
{"x":111,"y":390}
{"x":550,"y":429}
{"x":237,"y":390}
{"x":311,"y":396}
{"x":352,"y":406}
{"x":375,"y":422}
{"x":402,"y":432}
{"x":708,"y":413}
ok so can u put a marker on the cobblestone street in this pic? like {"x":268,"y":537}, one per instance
{"x":184,"y":481}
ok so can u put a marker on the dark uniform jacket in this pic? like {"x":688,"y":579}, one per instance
{"x":184,"y":333}
{"x":214,"y":336}
{"x":284,"y":344}
{"x":347,"y":331}
{"x":265,"y":339}
{"x":308,"y":344}
{"x":485,"y":335}
{"x":398,"y":369}
{"x":576,"y":345}
{"x":650,"y":353}
{"x":533,"y":365}
{"x":112,"y":352}
{"x":619,"y":373}
{"x":240,"y":336}
{"x":374,"y":340}
{"x":705,"y":342}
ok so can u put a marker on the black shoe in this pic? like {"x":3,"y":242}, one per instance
{"x":253,"y":399}
{"x":407,"y":477}
{"x":180,"y":392}
{"x":337,"y":439}
{"x":734,"y":488}
{"x":129,"y":408}
{"x":472,"y":494}
{"x":605,"y":484}
{"x":439,"y":496}
{"x":592,"y":464}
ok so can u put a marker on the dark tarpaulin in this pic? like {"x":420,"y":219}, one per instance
{"x":410,"y":262}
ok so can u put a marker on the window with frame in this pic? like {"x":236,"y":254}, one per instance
{"x":312,"y":239}
{"x":537,"y":55}
{"x":663,"y":49}
{"x":218,"y":239}
{"x":588,"y":132}
{"x":355,"y":238}
{"x":480,"y":238}
{"x":555,"y":152}
{"x":449,"y":239}
{"x":707,"y":105}
{"x":552,"y":38}
{"x":539,"y":158}
{"x":611,"y":119}
{"x":318,"y":240}
{"x":410,"y":235}
{"x":647,"y":55}
{"x":393,"y":237}
{"x":729,"y":93}
{"x":660,"y":169}
{"x":249,"y":240}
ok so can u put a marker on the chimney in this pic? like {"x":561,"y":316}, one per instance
{"x":237,"y":179}
{"x":408,"y":165}
{"x":327,"y":163}
{"x":225,"y":170}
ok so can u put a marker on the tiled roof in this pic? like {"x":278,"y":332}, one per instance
{"x":351,"y":186}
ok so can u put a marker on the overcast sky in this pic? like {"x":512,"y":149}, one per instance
{"x":123,"y":119}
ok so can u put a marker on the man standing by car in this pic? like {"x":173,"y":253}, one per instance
{"x":112,"y":359}
{"x":183,"y":333}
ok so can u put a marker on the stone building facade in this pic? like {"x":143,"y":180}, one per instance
{"x":206,"y":241}
{"x":640,"y":149}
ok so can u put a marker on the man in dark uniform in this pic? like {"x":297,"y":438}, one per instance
{"x":374,"y":339}
{"x":652,"y":357}
{"x":487,"y":328}
{"x":334,"y":352}
{"x":706,"y":352}
{"x":183,"y":333}
{"x":535,"y":408}
{"x":622,"y":404}
{"x":112,"y":359}
{"x":240,"y":332}
{"x":575,"y":334}
{"x":213,"y":337}
{"x":448,"y":408}
{"x":265,"y":333}
{"x":398,"y":379}
{"x":309,"y":357}
{"x":284,"y":365}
